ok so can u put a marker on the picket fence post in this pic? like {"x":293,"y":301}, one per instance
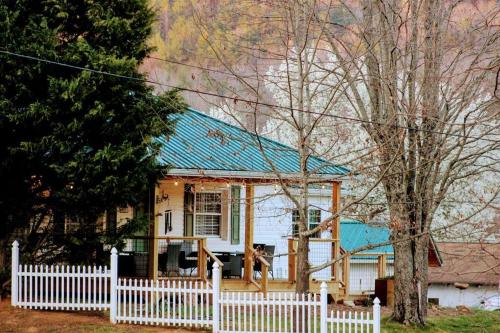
{"x":376,"y":315}
{"x":323,"y":307}
{"x":216,"y":297}
{"x":13,"y":271}
{"x":113,"y":285}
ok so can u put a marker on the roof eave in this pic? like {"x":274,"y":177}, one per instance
{"x":257,"y":175}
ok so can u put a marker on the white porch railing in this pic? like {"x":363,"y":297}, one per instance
{"x":179,"y":303}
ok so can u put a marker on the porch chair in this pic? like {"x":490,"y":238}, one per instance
{"x":186,"y":264}
{"x":236,"y":265}
{"x":169,"y":261}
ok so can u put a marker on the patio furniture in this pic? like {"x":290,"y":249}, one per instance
{"x":126,"y":265}
{"x":188,"y":264}
{"x":168,"y":262}
{"x":236,"y":265}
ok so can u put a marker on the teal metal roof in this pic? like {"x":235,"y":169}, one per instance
{"x":201,"y":142}
{"x":355,"y":234}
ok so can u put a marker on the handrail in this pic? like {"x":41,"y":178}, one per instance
{"x":316,"y":240}
{"x":213,"y":256}
{"x":193,"y":238}
{"x":264,"y":270}
{"x":260,"y":257}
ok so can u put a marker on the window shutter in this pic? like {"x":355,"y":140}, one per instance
{"x":224,"y":218}
{"x":188,"y":210}
{"x":235,"y":214}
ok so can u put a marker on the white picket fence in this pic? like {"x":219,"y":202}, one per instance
{"x":273,"y":312}
{"x":173,"y":303}
{"x":348,"y":321}
{"x":180,"y":303}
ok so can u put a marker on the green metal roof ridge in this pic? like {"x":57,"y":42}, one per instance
{"x":264,"y":138}
{"x":206,"y":144}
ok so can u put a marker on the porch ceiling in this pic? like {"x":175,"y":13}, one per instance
{"x":203,"y":146}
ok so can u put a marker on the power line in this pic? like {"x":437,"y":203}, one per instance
{"x":235,"y":99}
{"x":185,"y":64}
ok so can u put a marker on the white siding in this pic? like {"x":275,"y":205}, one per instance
{"x":273,"y":226}
{"x":449,"y":296}
{"x":363,"y":274}
{"x":175,"y":203}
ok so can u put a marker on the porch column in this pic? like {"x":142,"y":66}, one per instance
{"x":249,"y":219}
{"x":153,"y":242}
{"x":381,"y":266}
{"x":346,"y":273}
{"x":336,"y":229}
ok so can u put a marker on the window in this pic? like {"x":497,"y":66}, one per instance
{"x":208,"y":213}
{"x":314,"y":221}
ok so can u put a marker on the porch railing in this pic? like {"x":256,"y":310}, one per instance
{"x":320,"y":251}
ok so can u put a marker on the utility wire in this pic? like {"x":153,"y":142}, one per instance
{"x":185,"y":64}
{"x":236,"y":99}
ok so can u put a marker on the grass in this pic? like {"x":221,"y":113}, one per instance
{"x":477,"y":322}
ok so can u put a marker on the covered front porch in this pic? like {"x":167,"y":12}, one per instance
{"x":199,"y":221}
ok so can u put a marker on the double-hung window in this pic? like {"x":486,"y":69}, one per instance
{"x":314,"y":221}
{"x":208,"y":213}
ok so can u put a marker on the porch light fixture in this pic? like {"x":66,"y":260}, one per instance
{"x":176,"y":183}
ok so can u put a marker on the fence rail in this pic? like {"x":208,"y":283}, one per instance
{"x":179,"y":303}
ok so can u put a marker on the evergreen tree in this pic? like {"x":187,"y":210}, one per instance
{"x":75,"y":143}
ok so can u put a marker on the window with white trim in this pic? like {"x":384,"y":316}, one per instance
{"x":314,"y":221}
{"x":208,"y":213}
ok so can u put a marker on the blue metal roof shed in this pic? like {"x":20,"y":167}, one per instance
{"x":202,"y":145}
{"x":355,"y":234}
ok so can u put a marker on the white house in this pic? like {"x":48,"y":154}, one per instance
{"x":470,"y":273}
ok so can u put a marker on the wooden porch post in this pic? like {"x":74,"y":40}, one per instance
{"x":249,"y":219}
{"x":336,"y":229}
{"x":291,"y":261}
{"x":153,"y":242}
{"x":346,"y":272}
{"x":381,"y":266}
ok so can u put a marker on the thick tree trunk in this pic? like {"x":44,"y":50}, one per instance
{"x":302,"y":265}
{"x":410,"y":279}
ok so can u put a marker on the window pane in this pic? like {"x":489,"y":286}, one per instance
{"x":314,"y":221}
{"x":208,"y":203}
{"x":207,"y":225}
{"x":314,"y":216}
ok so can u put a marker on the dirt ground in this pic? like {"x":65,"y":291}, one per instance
{"x":35,"y":321}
